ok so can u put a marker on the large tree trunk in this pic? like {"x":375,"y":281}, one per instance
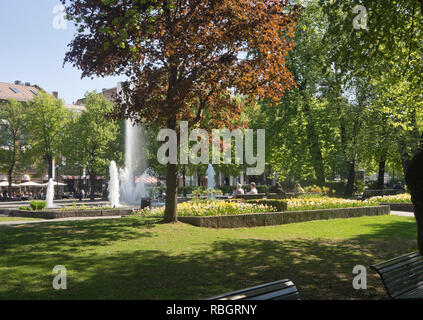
{"x":315,"y":148}
{"x":170,"y":214}
{"x":10,"y":176}
{"x":351,"y":179}
{"x":49,"y":159}
{"x":92,"y":185}
{"x":414,"y":179}
{"x":381,"y":172}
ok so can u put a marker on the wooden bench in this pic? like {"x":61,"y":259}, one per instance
{"x":251,"y":196}
{"x":278,"y":290}
{"x":402,"y":276}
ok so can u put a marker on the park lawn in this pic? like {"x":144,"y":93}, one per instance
{"x":139,"y":258}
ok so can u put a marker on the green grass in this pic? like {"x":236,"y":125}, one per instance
{"x":139,"y":258}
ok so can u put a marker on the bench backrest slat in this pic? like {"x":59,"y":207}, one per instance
{"x":268,"y":291}
{"x":409,"y":271}
{"x":275,"y":294}
{"x":402,"y":276}
{"x":402,"y":266}
{"x":416,"y":293}
{"x":396,"y":260}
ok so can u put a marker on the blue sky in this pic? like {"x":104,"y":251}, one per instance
{"x":32,"y":50}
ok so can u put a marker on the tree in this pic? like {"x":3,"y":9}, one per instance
{"x":390,"y":50}
{"x":91,"y":137}
{"x":45,"y":127}
{"x":183,"y":56}
{"x":12,"y":142}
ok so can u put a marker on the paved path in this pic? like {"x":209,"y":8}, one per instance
{"x":6,"y":223}
{"x":403,"y":213}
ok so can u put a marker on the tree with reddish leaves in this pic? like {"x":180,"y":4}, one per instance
{"x":184,"y":58}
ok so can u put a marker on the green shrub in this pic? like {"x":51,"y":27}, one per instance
{"x":38,"y":205}
{"x":227,"y":189}
{"x":337,"y":188}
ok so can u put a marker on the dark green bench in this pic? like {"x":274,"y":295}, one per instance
{"x":251,"y":196}
{"x":278,"y":290}
{"x":402,"y":276}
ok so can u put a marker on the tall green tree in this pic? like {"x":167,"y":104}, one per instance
{"x":46,"y":120}
{"x":187,"y":61}
{"x":386,"y":46}
{"x":12,"y":139}
{"x":92,"y":138}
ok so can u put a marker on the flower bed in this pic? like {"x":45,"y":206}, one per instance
{"x":302,"y":204}
{"x":237,"y":207}
{"x":399,"y":198}
{"x":211,"y":208}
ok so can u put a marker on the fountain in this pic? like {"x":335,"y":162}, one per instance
{"x":50,"y":194}
{"x":130,"y":191}
{"x":113,"y":185}
{"x":211,"y":184}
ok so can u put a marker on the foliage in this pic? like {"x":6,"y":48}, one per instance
{"x":399,"y":198}
{"x":12,"y":134}
{"x":183,"y":67}
{"x":317,"y":189}
{"x":46,"y":121}
{"x":199,"y":191}
{"x":300,"y":204}
{"x":38,"y":204}
{"x":211,"y":208}
{"x":278,"y":204}
{"x":91,"y":138}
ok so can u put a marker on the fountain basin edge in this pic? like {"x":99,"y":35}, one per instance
{"x":56,"y":214}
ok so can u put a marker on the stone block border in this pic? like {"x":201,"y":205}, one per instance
{"x":408,"y":207}
{"x":54,"y":214}
{"x":278,"y":218}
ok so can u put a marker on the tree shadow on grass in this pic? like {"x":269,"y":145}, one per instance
{"x":75,"y":234}
{"x":320,"y":268}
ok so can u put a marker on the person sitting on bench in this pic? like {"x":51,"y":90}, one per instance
{"x":279,"y":189}
{"x":238,"y":191}
{"x":253,"y":189}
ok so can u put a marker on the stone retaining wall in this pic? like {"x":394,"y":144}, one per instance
{"x":54,"y":214}
{"x":408,"y":207}
{"x":277,"y":218}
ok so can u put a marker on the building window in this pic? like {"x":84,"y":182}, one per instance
{"x":14,"y":90}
